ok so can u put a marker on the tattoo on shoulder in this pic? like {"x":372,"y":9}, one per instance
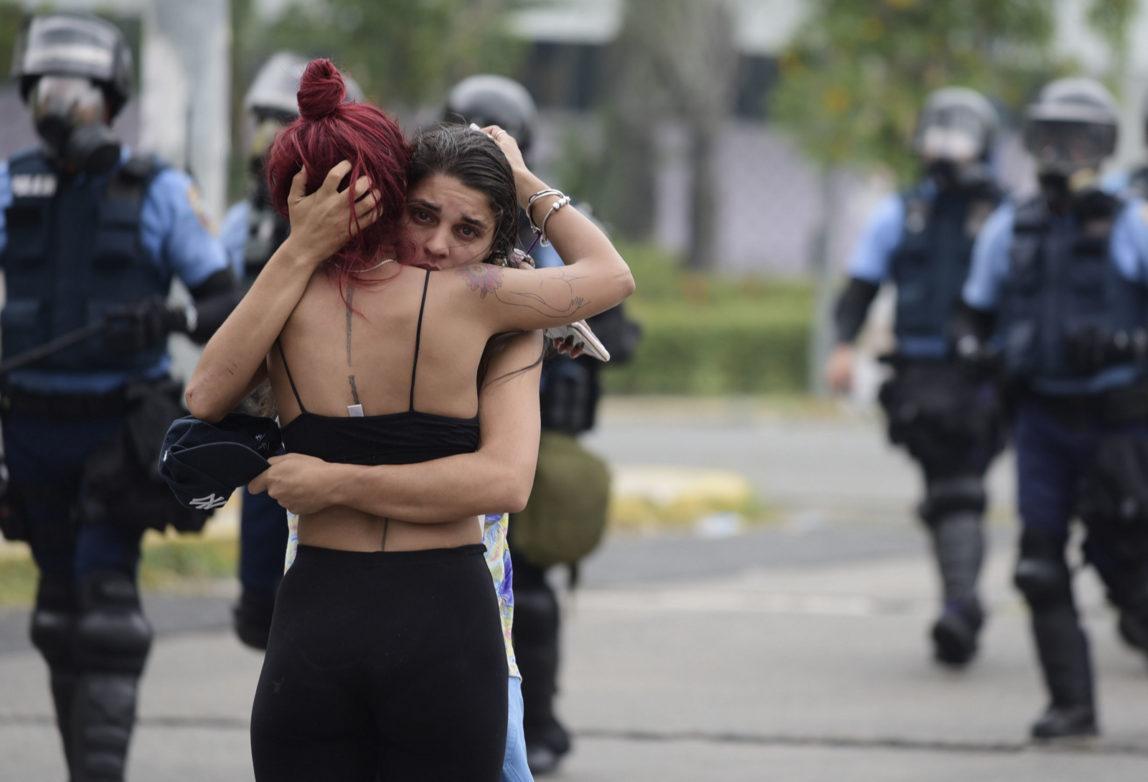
{"x":484,"y":278}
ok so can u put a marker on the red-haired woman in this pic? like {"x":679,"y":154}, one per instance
{"x":385,"y":659}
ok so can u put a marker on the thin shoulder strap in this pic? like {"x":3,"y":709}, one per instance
{"x":418,"y":338}
{"x":290,"y":379}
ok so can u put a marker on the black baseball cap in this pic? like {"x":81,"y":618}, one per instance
{"x":204,"y":462}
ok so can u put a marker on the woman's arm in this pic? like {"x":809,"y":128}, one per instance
{"x":594,"y":279}
{"x":233,"y":359}
{"x":495,"y":478}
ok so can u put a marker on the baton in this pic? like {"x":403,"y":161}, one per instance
{"x":50,"y":347}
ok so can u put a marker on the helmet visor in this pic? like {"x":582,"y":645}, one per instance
{"x":76,"y":99}
{"x":1065,"y":147}
{"x":958,"y":135}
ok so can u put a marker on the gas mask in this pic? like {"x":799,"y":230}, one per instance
{"x":70,"y":113}
{"x":951,"y":145}
{"x":1068,"y":155}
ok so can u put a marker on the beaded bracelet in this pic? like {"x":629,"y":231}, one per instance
{"x":561,"y":202}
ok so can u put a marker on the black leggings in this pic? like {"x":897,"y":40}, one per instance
{"x":382,"y":666}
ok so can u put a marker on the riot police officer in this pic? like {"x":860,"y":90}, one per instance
{"x":570,"y":389}
{"x":251,"y":231}
{"x":1061,"y":281}
{"x":946,"y":417}
{"x":1132,"y":182}
{"x":91,"y":237}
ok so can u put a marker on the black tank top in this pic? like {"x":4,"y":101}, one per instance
{"x":395,"y":438}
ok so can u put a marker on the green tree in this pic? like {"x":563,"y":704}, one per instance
{"x":402,"y":52}
{"x":855,"y":74}
{"x":673,"y":60}
{"x":11,"y":15}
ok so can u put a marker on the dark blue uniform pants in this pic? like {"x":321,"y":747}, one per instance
{"x":48,"y":456}
{"x":262,"y":543}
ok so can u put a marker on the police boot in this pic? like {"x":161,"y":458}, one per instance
{"x":52,"y":631}
{"x":262,"y":547}
{"x":1133,"y":629}
{"x":958,"y":544}
{"x":112,"y":642}
{"x":251,"y":618}
{"x":536,"y":622}
{"x":1067,"y":668}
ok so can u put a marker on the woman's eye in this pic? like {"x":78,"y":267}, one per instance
{"x":420,"y":215}
{"x":467,"y":232}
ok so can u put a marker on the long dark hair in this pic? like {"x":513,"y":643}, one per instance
{"x":475,"y":160}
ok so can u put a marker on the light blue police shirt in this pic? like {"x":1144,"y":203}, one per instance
{"x":176,"y":240}
{"x":233,"y":235}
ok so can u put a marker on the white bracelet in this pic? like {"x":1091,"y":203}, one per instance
{"x":561,"y":202}
{"x":530,"y":205}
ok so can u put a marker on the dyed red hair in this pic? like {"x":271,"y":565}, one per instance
{"x":327,"y":131}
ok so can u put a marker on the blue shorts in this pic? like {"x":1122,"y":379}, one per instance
{"x":514,"y":768}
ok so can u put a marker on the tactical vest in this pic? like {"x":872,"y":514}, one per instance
{"x":1061,"y":280}
{"x":73,"y":253}
{"x":931,"y":261}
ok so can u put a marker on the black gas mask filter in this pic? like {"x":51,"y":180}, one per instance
{"x":70,"y":113}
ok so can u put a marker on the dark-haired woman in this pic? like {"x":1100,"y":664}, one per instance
{"x":385,"y":656}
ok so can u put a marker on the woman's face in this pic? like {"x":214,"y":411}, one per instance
{"x":447,"y":224}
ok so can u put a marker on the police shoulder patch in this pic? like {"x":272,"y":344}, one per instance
{"x":196,"y":202}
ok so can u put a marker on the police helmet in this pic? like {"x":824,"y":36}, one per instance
{"x":487,"y":99}
{"x":957,"y":124}
{"x":71,"y":44}
{"x":1071,"y":126}
{"x":272,"y":93}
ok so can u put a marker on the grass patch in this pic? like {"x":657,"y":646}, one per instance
{"x":166,"y":565}
{"x":709,"y":334}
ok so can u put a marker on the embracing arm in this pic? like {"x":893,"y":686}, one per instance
{"x":495,"y":478}
{"x":232,"y":362}
{"x":594,"y":278}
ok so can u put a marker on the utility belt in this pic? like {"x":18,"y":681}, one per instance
{"x":947,"y":416}
{"x":70,"y":407}
{"x":120,"y":481}
{"x":1124,"y":405}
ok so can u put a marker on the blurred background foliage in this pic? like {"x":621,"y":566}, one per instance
{"x":855,"y":74}
{"x":844,"y":89}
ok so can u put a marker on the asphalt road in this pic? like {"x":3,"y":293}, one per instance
{"x":791,"y":651}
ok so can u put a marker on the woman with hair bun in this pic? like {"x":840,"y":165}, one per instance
{"x":385,"y":659}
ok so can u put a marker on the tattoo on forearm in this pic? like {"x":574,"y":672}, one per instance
{"x":553,"y":297}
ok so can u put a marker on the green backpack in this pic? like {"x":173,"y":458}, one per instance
{"x":565,"y":518}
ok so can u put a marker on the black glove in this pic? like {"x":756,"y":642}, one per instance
{"x":143,"y":325}
{"x":1091,"y":349}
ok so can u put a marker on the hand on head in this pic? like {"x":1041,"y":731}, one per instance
{"x":323,"y":221}
{"x":509,"y":146}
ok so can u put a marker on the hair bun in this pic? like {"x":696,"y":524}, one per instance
{"x":321,"y":90}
